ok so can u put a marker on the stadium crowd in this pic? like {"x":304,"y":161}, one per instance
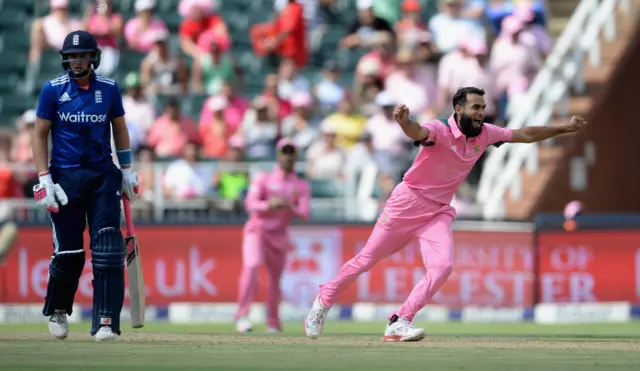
{"x":408,"y":56}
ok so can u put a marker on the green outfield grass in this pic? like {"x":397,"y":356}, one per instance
{"x":345,"y":346}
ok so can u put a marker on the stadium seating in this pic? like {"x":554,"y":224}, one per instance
{"x":16,"y":16}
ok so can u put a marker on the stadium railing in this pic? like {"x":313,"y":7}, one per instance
{"x":348,"y":200}
{"x":548,"y":94}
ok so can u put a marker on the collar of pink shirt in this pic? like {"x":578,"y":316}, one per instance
{"x":454,"y":127}
{"x":277,"y":171}
{"x":455,"y":130}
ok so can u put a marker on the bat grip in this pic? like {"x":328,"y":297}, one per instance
{"x":127,"y":216}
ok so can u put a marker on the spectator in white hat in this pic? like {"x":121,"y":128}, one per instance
{"x":260,"y":130}
{"x":49,"y":31}
{"x":298,"y":126}
{"x":325,"y":160}
{"x":386,"y":134}
{"x":141,"y":31}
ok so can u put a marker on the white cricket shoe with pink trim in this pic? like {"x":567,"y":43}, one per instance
{"x":402,"y":330}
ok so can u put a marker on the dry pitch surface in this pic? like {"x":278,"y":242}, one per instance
{"x":346,"y":346}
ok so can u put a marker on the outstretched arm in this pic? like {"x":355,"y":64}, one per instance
{"x":532,"y":134}
{"x":411,"y":128}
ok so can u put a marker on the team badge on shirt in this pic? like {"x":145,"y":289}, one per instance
{"x":477,"y":148}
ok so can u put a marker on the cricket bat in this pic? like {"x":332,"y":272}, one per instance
{"x":136,"y":281}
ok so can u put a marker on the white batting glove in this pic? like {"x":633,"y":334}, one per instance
{"x":129,"y":184}
{"x":48,"y":194}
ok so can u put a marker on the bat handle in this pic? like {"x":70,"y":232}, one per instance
{"x":127,"y":215}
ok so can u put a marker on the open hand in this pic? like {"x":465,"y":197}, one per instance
{"x":576,"y":124}
{"x":401,"y":114}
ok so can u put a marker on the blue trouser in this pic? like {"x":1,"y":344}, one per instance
{"x":94,"y":200}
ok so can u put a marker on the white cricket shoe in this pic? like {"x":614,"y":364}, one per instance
{"x":315,"y":319}
{"x":402,"y":330}
{"x":105,"y":333}
{"x":58,"y":325}
{"x":273,"y":330}
{"x":244,"y":325}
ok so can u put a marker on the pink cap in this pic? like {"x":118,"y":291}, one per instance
{"x":474,"y":46}
{"x":511,"y":24}
{"x":217,"y":103}
{"x":55,"y":4}
{"x":283,"y":142}
{"x":237,"y":141}
{"x":572,"y":209}
{"x":524,"y":11}
{"x":187,"y":6}
{"x":301,"y":99}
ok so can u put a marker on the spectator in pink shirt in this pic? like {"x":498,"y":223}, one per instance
{"x":414,"y":84}
{"x":512,"y":62}
{"x":385,"y":133}
{"x":468,"y":66}
{"x":107,"y":27}
{"x":533,"y":35}
{"x":233,"y":112}
{"x":172,"y":131}
{"x":215,"y":134}
{"x":140,"y":32}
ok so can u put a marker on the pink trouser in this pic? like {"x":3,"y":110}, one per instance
{"x":259,"y":247}
{"x":407,"y":214}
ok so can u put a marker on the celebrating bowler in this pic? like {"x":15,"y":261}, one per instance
{"x":419,"y":205}
{"x":81,"y":185}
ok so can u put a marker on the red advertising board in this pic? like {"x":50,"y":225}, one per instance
{"x":202,"y":264}
{"x":590,"y":266}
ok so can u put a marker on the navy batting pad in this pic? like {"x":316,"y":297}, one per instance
{"x":107,"y":253}
{"x":64,"y":273}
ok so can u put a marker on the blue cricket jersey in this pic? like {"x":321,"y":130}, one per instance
{"x":80,"y":119}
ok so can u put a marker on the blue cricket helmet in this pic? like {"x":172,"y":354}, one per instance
{"x":80,"y":42}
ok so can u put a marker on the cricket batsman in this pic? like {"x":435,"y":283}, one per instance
{"x":81,"y":185}
{"x":419,"y":205}
{"x":274,"y":198}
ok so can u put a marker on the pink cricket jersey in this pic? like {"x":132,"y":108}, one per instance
{"x":440,"y":168}
{"x":276,"y":184}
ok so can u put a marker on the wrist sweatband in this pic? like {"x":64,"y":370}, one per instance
{"x":124,"y":157}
